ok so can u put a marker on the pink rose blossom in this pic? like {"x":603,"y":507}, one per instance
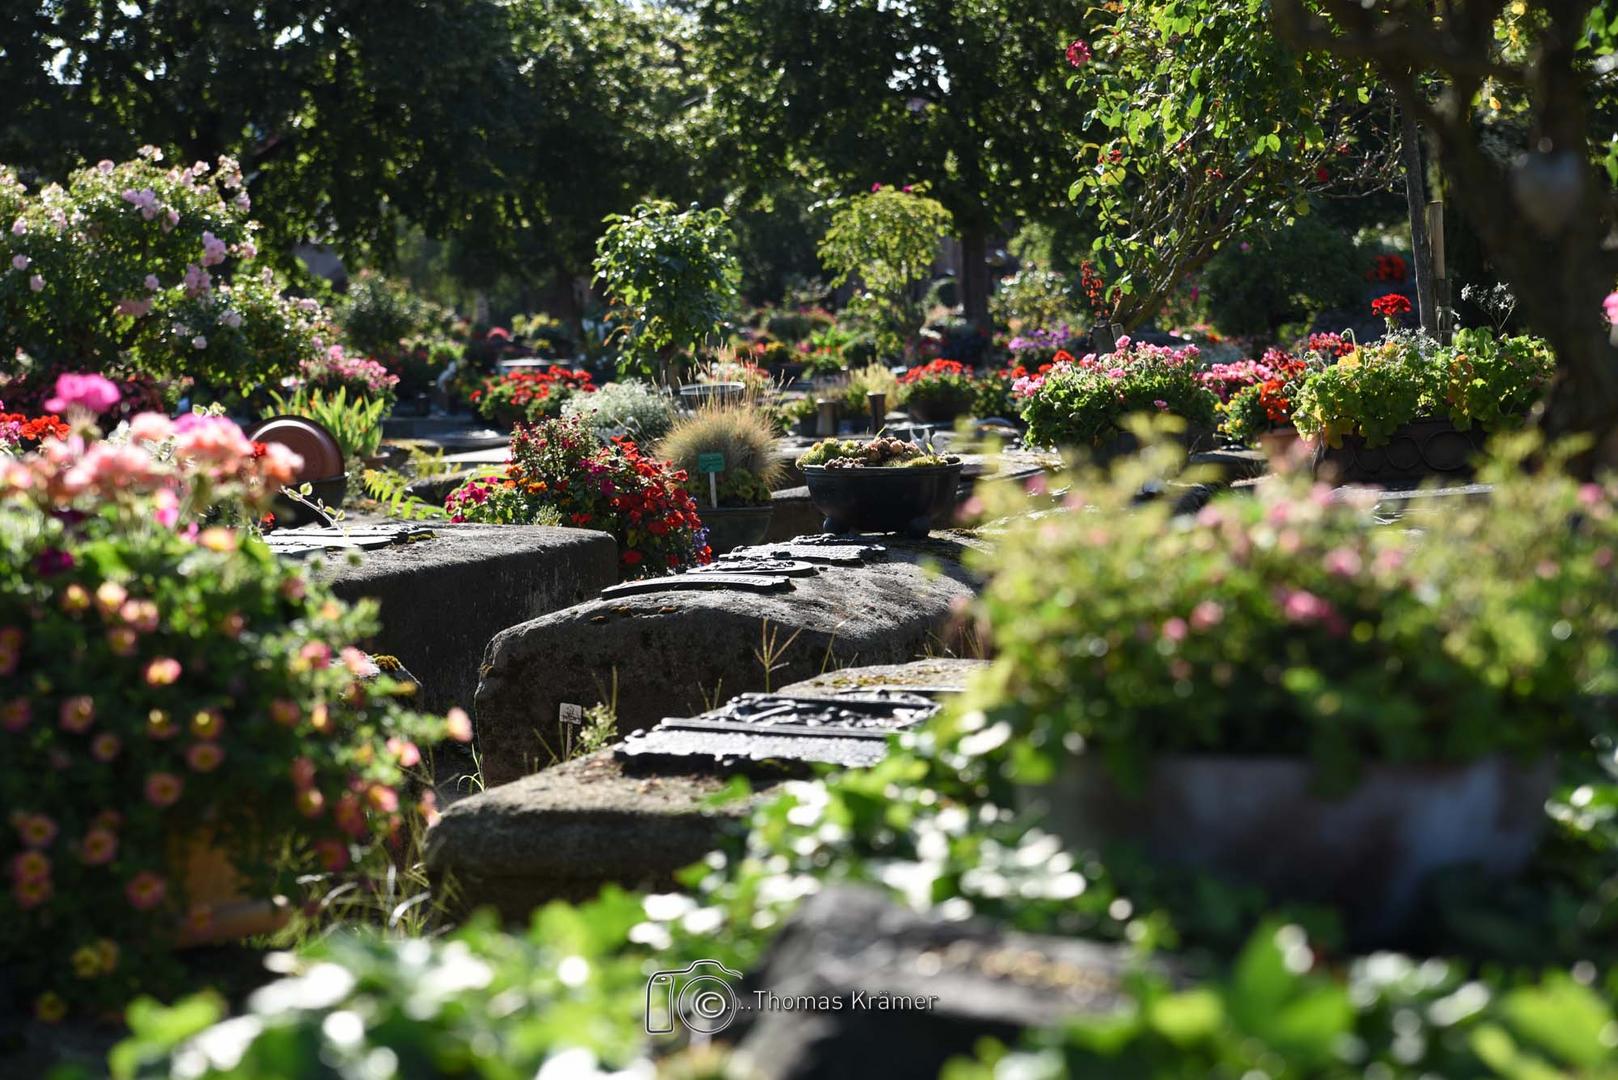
{"x":77,"y":713}
{"x":163,"y":789}
{"x":20,"y":262}
{"x":1207,"y":614}
{"x":145,"y":891}
{"x":1174,"y":629}
{"x":36,"y":283}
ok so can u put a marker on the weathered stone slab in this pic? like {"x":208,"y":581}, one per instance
{"x":674,"y":653}
{"x":565,"y":832}
{"x":443,"y":598}
{"x":915,"y":989}
{"x":938,"y":675}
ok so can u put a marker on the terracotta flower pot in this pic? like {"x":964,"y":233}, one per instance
{"x":213,"y":888}
{"x":1259,"y":820}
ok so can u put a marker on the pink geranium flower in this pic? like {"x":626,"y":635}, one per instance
{"x":91,"y":392}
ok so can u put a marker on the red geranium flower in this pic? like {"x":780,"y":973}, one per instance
{"x":1391,"y":305}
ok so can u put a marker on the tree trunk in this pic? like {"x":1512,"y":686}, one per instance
{"x":974,"y":276}
{"x":1420,"y":245}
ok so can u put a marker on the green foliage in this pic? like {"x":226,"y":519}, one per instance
{"x":378,"y":314}
{"x":477,"y":1002}
{"x":633,"y":409}
{"x":1208,"y":125}
{"x":873,"y":378}
{"x":670,"y":275}
{"x":886,"y":241}
{"x":746,"y":439}
{"x":882,"y":452}
{"x":1084,"y":403}
{"x":136,"y":265}
{"x":1280,"y":276}
{"x":356,"y":424}
{"x":1033,"y":299}
{"x":392,"y":490}
{"x":1245,"y":417}
{"x":1484,"y":633}
{"x":1374,"y":390}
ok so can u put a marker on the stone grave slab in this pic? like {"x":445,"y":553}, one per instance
{"x":936,"y":677}
{"x":565,"y":832}
{"x":443,"y":596}
{"x":975,"y":979}
{"x":778,"y":733}
{"x":673,"y":653}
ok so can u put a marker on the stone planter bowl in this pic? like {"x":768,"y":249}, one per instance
{"x":731,"y":527}
{"x":893,"y":500}
{"x":1259,"y":820}
{"x":1420,"y":450}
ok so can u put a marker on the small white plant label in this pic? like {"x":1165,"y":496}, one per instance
{"x":571,"y":713}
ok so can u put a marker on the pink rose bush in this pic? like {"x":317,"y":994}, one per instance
{"x":148,"y":267}
{"x":154,"y":666}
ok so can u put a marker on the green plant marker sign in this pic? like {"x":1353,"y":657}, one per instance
{"x":713,"y":465}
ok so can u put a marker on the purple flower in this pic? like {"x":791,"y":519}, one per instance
{"x":53,"y":561}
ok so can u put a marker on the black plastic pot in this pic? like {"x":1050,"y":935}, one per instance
{"x":731,"y":527}
{"x":1420,"y":450}
{"x":897,"y":500}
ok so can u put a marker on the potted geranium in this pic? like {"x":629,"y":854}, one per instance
{"x":1082,"y":401}
{"x":728,"y":456}
{"x":883,"y":485}
{"x":523,"y":397}
{"x":152,"y":672}
{"x":560,"y":474}
{"x":1407,"y":407}
{"x":939,"y":391}
{"x":1282,"y":692}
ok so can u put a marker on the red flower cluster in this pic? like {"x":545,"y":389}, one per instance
{"x":1334,"y":345}
{"x":934,"y":370}
{"x":558,"y":464}
{"x":1388,"y":268}
{"x":1272,"y":392}
{"x":1391,"y":306}
{"x":529,"y":395}
{"x":30,"y":430}
{"x":1094,"y":288}
{"x":1079,"y":54}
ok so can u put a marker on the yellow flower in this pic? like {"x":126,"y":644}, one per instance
{"x":86,"y":962}
{"x":49,"y":1007}
{"x":108,"y":951}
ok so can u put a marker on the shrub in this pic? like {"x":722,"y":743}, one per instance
{"x":150,"y":674}
{"x":635,"y":410}
{"x":526,"y":396}
{"x":871,"y":379}
{"x":1281,"y":622}
{"x":942,"y":389}
{"x":744,"y":437}
{"x":1083,"y":402}
{"x":135,"y":267}
{"x":560,"y":474}
{"x":1282,"y":276}
{"x":886,"y":239}
{"x":756,"y":382}
{"x":1375,"y":389}
{"x":378,"y":314}
{"x":334,"y":370}
{"x":1032,"y":298}
{"x":670,"y":275}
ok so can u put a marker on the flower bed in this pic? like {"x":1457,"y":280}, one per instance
{"x":1082,"y":402}
{"x":528,"y":396}
{"x":939,"y":391}
{"x":151,"y":671}
{"x":334,"y":370}
{"x":559,"y":472}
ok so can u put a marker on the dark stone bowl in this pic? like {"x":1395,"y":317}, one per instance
{"x":731,"y":527}
{"x":896,"y":500}
{"x":1420,"y":450}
